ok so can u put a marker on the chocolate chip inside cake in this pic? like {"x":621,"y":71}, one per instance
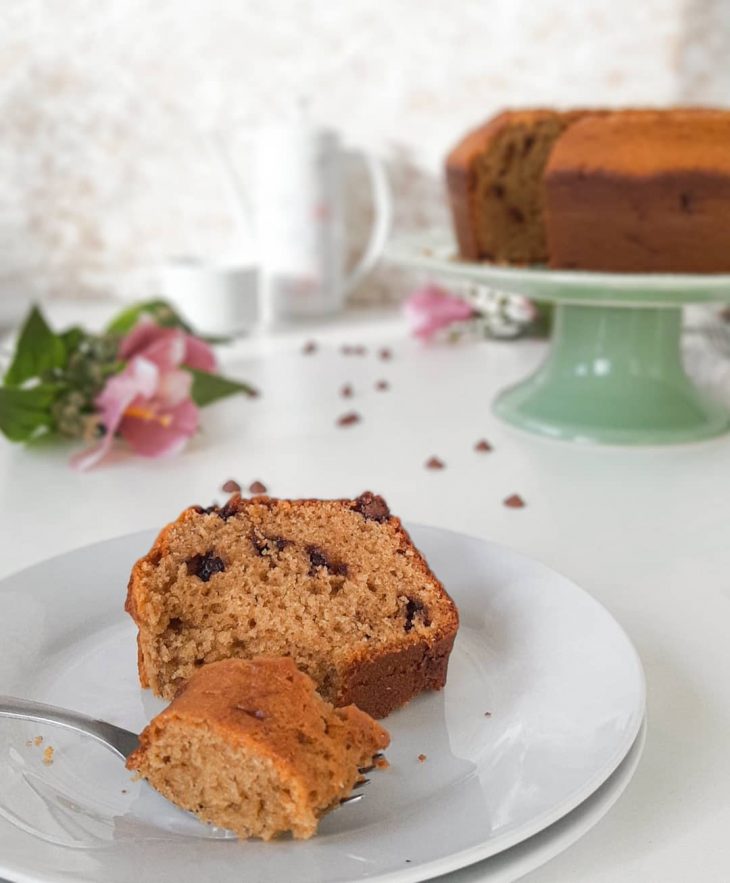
{"x":337,"y":585}
{"x":249,"y":745}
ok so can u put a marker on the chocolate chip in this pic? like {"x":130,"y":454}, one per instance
{"x":385,"y":354}
{"x":516,"y":214}
{"x":206,"y":511}
{"x":346,"y":391}
{"x":421,"y":758}
{"x":175,"y":624}
{"x":414,"y":608}
{"x":482,"y":446}
{"x":205,"y":566}
{"x":487,"y":714}
{"x":252,"y":712}
{"x":514,"y":502}
{"x":318,"y":558}
{"x":686,"y":202}
{"x":265,"y":545}
{"x":231,"y":508}
{"x":382,"y":385}
{"x":231,"y":487}
{"x":527,"y":144}
{"x":309,"y":347}
{"x":435,"y":463}
{"x":349,"y":419}
{"x":257,"y":487}
{"x":497,"y":191}
{"x":372,"y":507}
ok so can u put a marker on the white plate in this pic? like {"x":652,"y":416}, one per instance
{"x":562,"y":682}
{"x":512,"y":864}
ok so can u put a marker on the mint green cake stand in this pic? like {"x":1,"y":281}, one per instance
{"x":614,"y":372}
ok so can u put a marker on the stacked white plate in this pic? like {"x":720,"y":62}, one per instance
{"x":536,"y":735}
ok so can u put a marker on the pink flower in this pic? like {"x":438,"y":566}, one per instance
{"x":148,"y":404}
{"x":148,"y":339}
{"x":432,"y":308}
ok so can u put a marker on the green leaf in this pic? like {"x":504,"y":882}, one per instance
{"x":71,"y":338}
{"x":159,"y":310}
{"x":26,"y":413}
{"x":209,"y":388}
{"x":38,"y":350}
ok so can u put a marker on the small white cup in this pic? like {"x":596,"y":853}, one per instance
{"x":216,"y":299}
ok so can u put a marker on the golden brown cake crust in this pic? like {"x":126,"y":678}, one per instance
{"x":641,"y":191}
{"x":378,"y":676}
{"x":256,"y":729}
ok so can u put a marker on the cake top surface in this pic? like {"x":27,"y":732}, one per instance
{"x":645,"y":142}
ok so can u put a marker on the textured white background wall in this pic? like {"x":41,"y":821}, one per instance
{"x":102,"y":173}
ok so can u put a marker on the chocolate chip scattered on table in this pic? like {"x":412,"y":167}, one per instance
{"x":514,"y":501}
{"x":349,"y":419}
{"x":435,"y":463}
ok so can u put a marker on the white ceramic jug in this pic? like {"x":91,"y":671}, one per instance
{"x":293,"y":201}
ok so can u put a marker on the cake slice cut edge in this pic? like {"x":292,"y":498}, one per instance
{"x":248,"y":745}
{"x":336,"y":584}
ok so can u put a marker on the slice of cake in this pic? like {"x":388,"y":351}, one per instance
{"x":337,"y":585}
{"x":250,"y":746}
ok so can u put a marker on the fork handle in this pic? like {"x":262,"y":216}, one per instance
{"x":122,"y":741}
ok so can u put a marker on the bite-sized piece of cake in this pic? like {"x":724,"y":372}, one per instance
{"x":641,"y":191}
{"x":250,"y":746}
{"x":495,"y":185}
{"x":335,"y":584}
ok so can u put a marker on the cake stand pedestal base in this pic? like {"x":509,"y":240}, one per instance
{"x":614,"y":375}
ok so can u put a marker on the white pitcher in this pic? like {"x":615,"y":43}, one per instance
{"x":293,"y":203}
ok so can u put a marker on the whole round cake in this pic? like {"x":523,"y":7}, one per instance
{"x":620,"y":191}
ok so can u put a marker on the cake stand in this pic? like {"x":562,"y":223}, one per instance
{"x":614,"y":370}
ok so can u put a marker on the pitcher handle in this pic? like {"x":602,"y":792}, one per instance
{"x":382,"y":222}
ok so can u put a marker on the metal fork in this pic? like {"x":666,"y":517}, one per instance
{"x":121,"y":741}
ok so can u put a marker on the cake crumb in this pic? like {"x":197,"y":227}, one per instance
{"x":380,"y":762}
{"x":309,"y":347}
{"x":48,"y":755}
{"x":385,"y":354}
{"x":435,"y":463}
{"x":382,"y":386}
{"x":347,"y":391}
{"x":257,"y":487}
{"x":231,"y":487}
{"x":421,"y":758}
{"x":38,"y":740}
{"x":514,"y":501}
{"x":482,"y":446}
{"x":124,"y":790}
{"x":487,"y":714}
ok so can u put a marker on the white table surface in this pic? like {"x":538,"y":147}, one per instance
{"x":646,"y":531}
